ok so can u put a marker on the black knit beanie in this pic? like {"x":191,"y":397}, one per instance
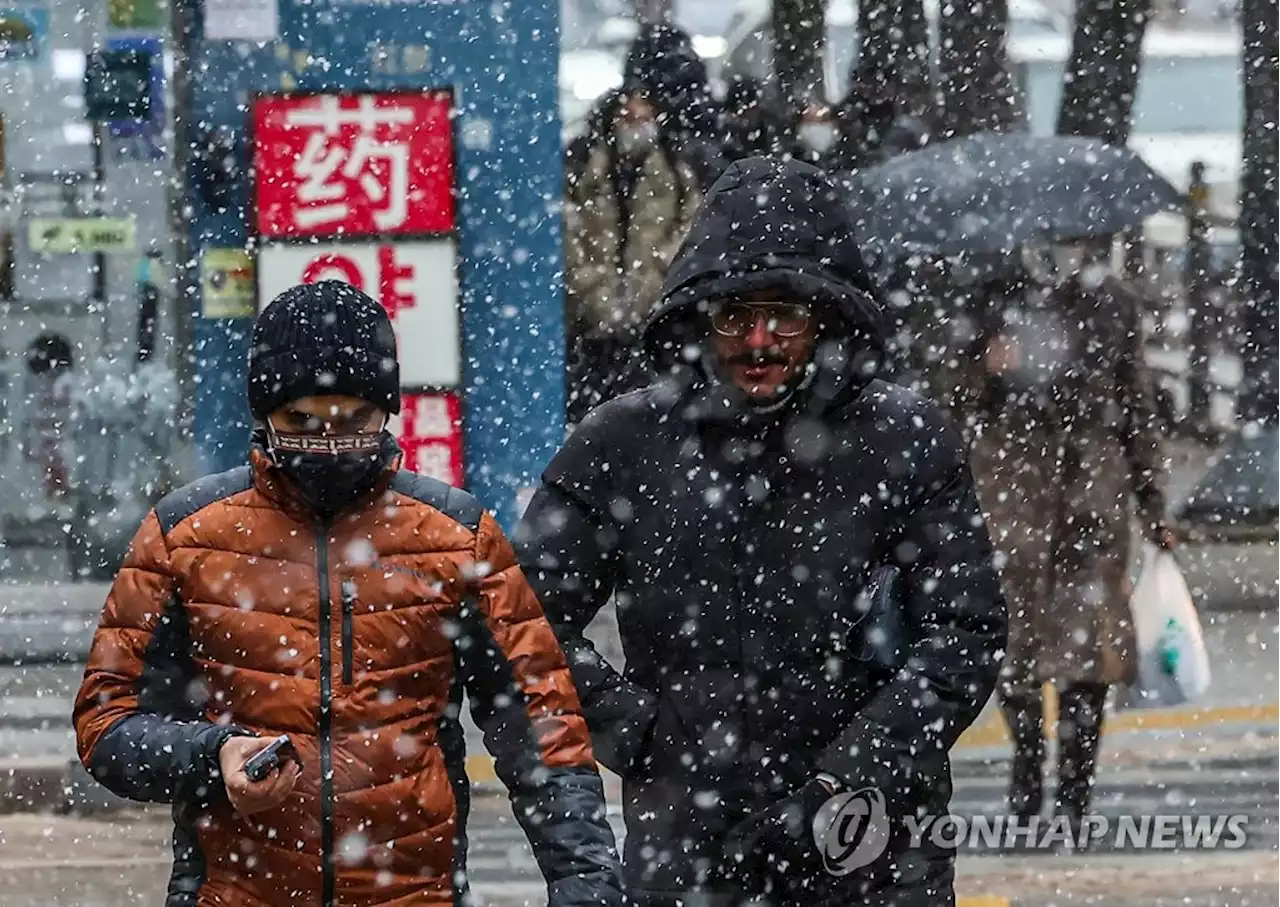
{"x":323,"y":338}
{"x":662,"y":60}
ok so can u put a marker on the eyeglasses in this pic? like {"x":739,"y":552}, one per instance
{"x":736,"y":319}
{"x":301,"y":422}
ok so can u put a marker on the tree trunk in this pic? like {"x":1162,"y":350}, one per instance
{"x":799,"y":32}
{"x":893,"y":59}
{"x":1239,"y":490}
{"x":1101,"y":77}
{"x":978,"y":94}
{"x":1258,"y":216}
{"x":889,"y":80}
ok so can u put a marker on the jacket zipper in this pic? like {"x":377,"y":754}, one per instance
{"x":325,"y":731}
{"x":744,"y":554}
{"x":348,"y":606}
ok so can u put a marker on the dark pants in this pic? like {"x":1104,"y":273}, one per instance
{"x":1080,"y":713}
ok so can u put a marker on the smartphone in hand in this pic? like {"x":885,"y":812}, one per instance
{"x":276,"y":754}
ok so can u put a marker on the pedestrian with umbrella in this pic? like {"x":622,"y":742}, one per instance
{"x":1067,"y":456}
{"x":1054,"y":393}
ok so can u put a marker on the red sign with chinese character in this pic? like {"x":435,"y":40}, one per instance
{"x":353,"y":165}
{"x":430,"y":434}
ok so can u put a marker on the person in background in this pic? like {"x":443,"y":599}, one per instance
{"x":815,"y":136}
{"x":323,"y":593}
{"x":874,"y":128}
{"x":749,"y":127}
{"x":1058,"y":401}
{"x":662,"y":64}
{"x":50,"y":360}
{"x":624,"y":219}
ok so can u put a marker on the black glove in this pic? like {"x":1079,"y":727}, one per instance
{"x":777,"y":843}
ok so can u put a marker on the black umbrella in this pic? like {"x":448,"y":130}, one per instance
{"x":995,"y":193}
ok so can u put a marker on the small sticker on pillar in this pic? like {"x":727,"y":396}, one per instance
{"x":477,"y":134}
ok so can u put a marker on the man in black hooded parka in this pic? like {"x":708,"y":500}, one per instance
{"x":736,"y":509}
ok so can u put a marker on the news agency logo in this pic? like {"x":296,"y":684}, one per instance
{"x":1149,"y":832}
{"x":852,"y":830}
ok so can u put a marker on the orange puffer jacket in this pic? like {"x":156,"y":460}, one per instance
{"x":237,"y":612}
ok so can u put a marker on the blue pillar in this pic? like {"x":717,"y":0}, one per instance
{"x":500,"y":60}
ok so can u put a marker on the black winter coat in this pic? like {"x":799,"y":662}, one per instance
{"x":736,"y":544}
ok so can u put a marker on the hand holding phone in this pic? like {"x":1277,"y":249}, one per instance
{"x":279,"y":752}
{"x":275,"y":764}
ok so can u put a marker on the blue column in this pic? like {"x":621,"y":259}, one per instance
{"x":513,"y":317}
{"x":500,"y":59}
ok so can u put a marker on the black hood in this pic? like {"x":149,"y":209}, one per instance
{"x":770,"y":224}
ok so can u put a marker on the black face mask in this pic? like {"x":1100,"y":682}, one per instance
{"x":332,"y":473}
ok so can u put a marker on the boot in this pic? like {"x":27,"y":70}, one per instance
{"x":1025,"y":716}
{"x":1079,"y":731}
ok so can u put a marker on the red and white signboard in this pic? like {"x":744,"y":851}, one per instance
{"x":353,"y":165}
{"x":429,"y":429}
{"x":416,"y":282}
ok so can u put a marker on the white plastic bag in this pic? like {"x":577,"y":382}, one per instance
{"x":1173,"y":663}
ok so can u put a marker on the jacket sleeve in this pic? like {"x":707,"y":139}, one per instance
{"x":523,"y":698}
{"x":568,"y":551}
{"x":956,"y":613}
{"x":1141,"y":432}
{"x":138,"y":732}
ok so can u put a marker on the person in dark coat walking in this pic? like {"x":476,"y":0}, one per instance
{"x":815,"y":135}
{"x":735,"y":510}
{"x":749,"y":126}
{"x":875,"y":129}
{"x":624,"y":218}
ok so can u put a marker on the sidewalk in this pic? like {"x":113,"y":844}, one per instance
{"x":65,"y":861}
{"x":113,"y":858}
{"x":50,"y":622}
{"x":1239,"y":714}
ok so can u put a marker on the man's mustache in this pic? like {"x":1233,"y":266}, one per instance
{"x":757,"y":357}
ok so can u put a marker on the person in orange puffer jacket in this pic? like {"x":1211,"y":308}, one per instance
{"x":323,"y":593}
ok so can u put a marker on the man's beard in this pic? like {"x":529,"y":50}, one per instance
{"x":768,"y":357}
{"x":768,"y":396}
